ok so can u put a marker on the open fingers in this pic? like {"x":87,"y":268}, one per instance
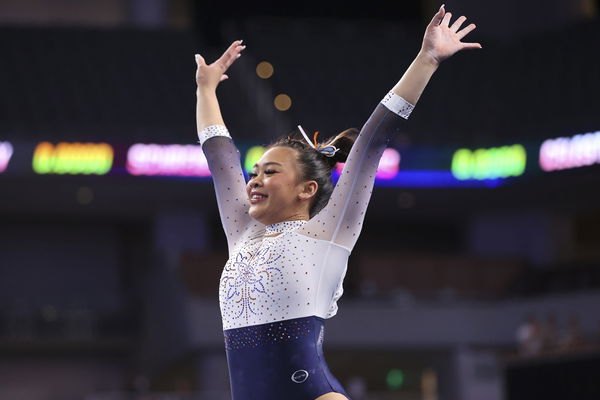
{"x":463,"y":32}
{"x":468,"y":46}
{"x":446,"y":19}
{"x":230,"y":55}
{"x":456,"y":25}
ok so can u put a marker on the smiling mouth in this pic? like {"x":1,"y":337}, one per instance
{"x":257,"y":198}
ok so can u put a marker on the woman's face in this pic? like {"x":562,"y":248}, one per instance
{"x":274,"y":190}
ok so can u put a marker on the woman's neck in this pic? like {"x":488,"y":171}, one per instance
{"x":293,"y":217}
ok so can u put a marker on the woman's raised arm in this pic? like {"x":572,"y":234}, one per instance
{"x":341,"y":220}
{"x":218,"y":147}
{"x":440,"y":41}
{"x":208,"y":78}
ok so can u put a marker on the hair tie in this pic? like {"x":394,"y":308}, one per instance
{"x":328,"y":151}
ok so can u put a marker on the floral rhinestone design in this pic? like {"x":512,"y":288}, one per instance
{"x":245,"y":279}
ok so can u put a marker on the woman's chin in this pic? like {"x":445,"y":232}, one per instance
{"x":260,"y":215}
{"x":256,"y":213}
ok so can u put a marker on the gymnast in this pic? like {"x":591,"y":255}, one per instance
{"x":290,"y":231}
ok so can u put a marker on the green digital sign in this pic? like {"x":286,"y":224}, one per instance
{"x":492,"y":163}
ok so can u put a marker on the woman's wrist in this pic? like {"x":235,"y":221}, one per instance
{"x":415,"y":79}
{"x":427,"y":59}
{"x":203,"y":91}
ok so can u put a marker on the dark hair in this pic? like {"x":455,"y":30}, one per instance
{"x":315,"y":166}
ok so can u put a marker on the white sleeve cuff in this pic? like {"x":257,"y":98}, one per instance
{"x":397,"y":104}
{"x":212,"y":131}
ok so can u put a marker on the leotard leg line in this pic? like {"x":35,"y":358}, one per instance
{"x":279,"y":360}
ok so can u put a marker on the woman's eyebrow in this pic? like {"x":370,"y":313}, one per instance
{"x":268,"y":163}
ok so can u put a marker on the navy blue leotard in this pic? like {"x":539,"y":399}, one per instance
{"x":284,"y":359}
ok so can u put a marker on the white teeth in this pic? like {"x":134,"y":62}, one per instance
{"x":257,"y":196}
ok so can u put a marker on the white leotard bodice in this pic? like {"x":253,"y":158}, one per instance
{"x":293,"y":269}
{"x":282,"y":277}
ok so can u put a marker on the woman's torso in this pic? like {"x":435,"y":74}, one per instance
{"x":281,"y":277}
{"x":276,"y":289}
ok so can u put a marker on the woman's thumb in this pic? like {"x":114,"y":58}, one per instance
{"x":199,"y":60}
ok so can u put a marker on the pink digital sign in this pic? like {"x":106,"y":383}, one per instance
{"x":570,"y":152}
{"x":6,"y":151}
{"x":389,"y":165}
{"x":168,"y":160}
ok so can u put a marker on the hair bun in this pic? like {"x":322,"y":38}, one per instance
{"x":343,"y":142}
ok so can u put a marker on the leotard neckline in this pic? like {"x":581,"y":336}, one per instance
{"x":285,"y":226}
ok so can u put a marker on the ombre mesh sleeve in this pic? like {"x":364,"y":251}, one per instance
{"x":228,"y":179}
{"x":341,"y":219}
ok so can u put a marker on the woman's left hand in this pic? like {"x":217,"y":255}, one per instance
{"x":441,"y":40}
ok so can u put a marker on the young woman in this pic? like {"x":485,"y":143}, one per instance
{"x":290,"y":233}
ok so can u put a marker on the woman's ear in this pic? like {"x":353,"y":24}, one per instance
{"x":308,"y":190}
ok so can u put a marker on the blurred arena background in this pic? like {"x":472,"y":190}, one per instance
{"x":477,"y":275}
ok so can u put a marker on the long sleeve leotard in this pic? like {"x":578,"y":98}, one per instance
{"x":282,"y":280}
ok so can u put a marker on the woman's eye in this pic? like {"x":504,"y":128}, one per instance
{"x":251,"y":175}
{"x":270,"y":171}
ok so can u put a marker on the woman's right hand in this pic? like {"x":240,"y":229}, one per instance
{"x":442,"y":40}
{"x":209,"y":76}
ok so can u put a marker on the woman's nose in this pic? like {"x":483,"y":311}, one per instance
{"x":254,"y":182}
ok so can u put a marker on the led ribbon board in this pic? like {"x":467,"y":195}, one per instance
{"x":565,"y":153}
{"x":6,"y":151}
{"x":73,"y":158}
{"x":388,"y":167}
{"x":169,"y":160}
{"x":493,"y":163}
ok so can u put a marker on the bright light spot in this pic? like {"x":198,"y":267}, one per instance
{"x":564,"y":153}
{"x":264,"y":69}
{"x":170,"y":160}
{"x":73,"y":158}
{"x":6,"y":151}
{"x":389,"y":164}
{"x":493,"y":163}
{"x":282,"y":102}
{"x":252,"y":156}
{"x":395,"y":379}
